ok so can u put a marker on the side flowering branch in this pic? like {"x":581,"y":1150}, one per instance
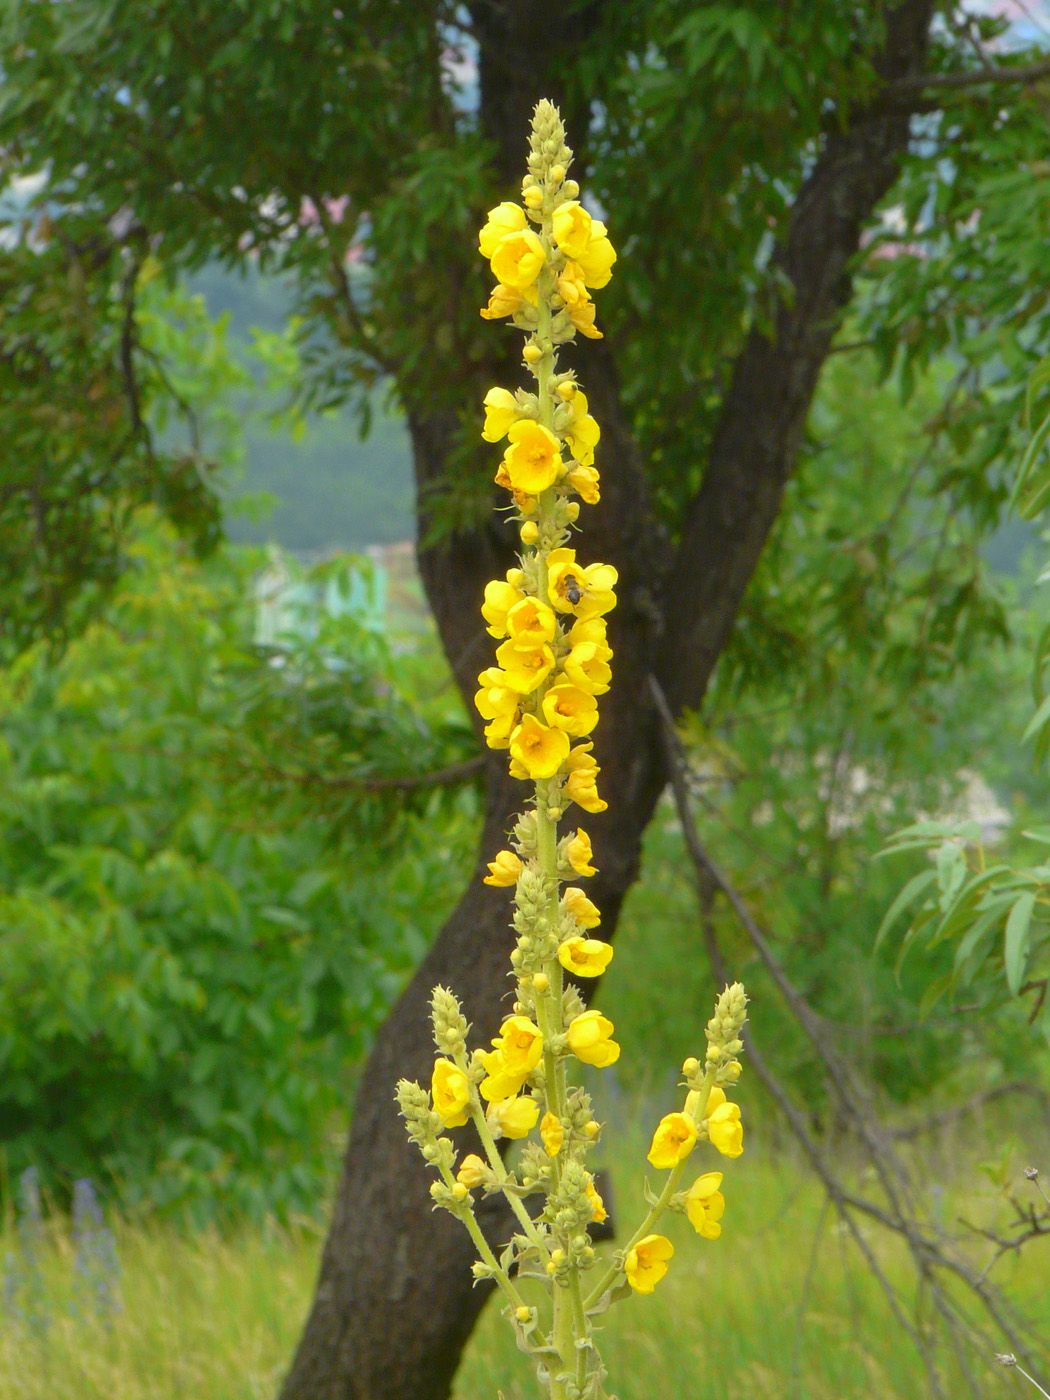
{"x":540,"y":704}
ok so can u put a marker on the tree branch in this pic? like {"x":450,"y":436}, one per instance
{"x":1023,"y":73}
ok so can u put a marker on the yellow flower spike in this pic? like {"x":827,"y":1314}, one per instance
{"x":501,"y":412}
{"x":587,"y":669}
{"x":504,"y":870}
{"x":572,"y":229}
{"x":674,"y":1139}
{"x":540,"y":751}
{"x":590,"y":1039}
{"x":585,"y":957}
{"x":473,"y":1171}
{"x":584,"y":911}
{"x":598,"y":1211}
{"x":585,"y":481}
{"x":569,"y":708}
{"x":724,"y":1127}
{"x":533,"y":460}
{"x":506,"y":218}
{"x":513,"y":1117}
{"x":525,"y":667}
{"x":579,"y":853}
{"x":531,"y":622}
{"x":499,"y":599}
{"x":705,"y":1205}
{"x":518,"y":260}
{"x":646,"y":1263}
{"x":451,"y":1090}
{"x":552,"y":1132}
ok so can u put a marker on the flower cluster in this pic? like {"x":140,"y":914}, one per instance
{"x":540,"y":703}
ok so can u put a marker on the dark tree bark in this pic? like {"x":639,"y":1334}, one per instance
{"x":395,"y":1302}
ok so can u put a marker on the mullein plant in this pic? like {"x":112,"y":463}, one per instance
{"x":540,"y":703}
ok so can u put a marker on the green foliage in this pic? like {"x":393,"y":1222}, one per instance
{"x":852,"y":696}
{"x":204,"y":912}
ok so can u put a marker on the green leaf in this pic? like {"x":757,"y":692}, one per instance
{"x":1015,"y":942}
{"x":908,"y":895}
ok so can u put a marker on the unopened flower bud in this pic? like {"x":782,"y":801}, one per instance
{"x":523,"y":1313}
{"x":572,"y":511}
{"x":532,"y":354}
{"x":534,"y":198}
{"x":530,"y":532}
{"x":571,"y":188}
{"x":460,"y":1191}
{"x":541,"y":982}
{"x":556,"y":175}
{"x":691,"y":1065}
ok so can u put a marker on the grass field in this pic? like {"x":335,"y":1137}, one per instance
{"x":780,"y":1307}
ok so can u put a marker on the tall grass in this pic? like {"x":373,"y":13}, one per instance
{"x":780,"y":1307}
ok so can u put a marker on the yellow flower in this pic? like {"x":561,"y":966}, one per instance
{"x":531,"y":622}
{"x":499,"y":599}
{"x":646,"y":1263}
{"x":498,"y":732}
{"x":705,"y":1205}
{"x":581,"y":314}
{"x":495,"y":698}
{"x":597,"y":258}
{"x":585,"y":481}
{"x":583,"y":432}
{"x":518,"y":260}
{"x":553,"y":1133}
{"x":539,"y":750}
{"x":517,"y":1052}
{"x":587,"y":592}
{"x":674,"y":1139}
{"x":513,"y":1117}
{"x":580,"y":783}
{"x":585,"y":957}
{"x":571,"y":709}
{"x":724,"y":1127}
{"x":589,"y":1038}
{"x":505,"y":869}
{"x":572,"y":229}
{"x":587,"y":669}
{"x":505,"y":218}
{"x":579,"y":853}
{"x":501,"y":411}
{"x":503,"y":301}
{"x":570,"y":285}
{"x":533,"y":460}
{"x":598,"y":1211}
{"x":525,"y":667}
{"x":583,"y":910}
{"x":592,"y":630}
{"x":451,"y":1090}
{"x":472,"y":1171}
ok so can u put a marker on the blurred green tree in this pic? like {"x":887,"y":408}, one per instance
{"x":764,"y":169}
{"x":208,"y":891}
